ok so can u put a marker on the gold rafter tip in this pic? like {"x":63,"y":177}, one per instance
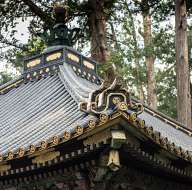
{"x":21,"y":152}
{"x":79,"y":130}
{"x":171,"y":146}
{"x":104,"y":117}
{"x":133,"y":117}
{"x":178,"y":151}
{"x":123,"y":106}
{"x":55,"y":140}
{"x":67,"y":135}
{"x":43,"y":145}
{"x":32,"y":149}
{"x":164,"y":142}
{"x":141,"y":123}
{"x":10,"y":155}
{"x":149,"y":131}
{"x":92,"y":124}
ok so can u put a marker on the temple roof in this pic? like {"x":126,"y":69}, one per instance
{"x":60,"y":96}
{"x":39,"y":110}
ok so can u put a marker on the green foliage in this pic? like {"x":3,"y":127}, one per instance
{"x":189,"y":6}
{"x":15,"y":56}
{"x":5,"y":77}
{"x":166,"y":91}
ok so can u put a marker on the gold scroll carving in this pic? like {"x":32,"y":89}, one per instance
{"x":33,"y":63}
{"x":73,"y":57}
{"x":89,"y":65}
{"x":53,"y":56}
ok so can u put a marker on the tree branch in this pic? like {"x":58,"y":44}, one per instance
{"x":38,"y":11}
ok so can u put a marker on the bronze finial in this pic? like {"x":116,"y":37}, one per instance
{"x":59,"y":33}
{"x":60,"y":12}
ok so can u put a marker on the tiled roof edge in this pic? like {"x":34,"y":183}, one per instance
{"x":11,"y":84}
{"x":176,"y":124}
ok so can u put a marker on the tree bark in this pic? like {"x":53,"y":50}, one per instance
{"x":97,"y":26}
{"x":182,"y":64}
{"x":149,"y":57}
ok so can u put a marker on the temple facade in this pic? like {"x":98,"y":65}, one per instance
{"x":62,"y":127}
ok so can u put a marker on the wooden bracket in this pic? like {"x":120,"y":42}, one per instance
{"x":41,"y":159}
{"x":118,"y":138}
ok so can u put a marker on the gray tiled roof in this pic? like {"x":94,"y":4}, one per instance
{"x":167,"y":130}
{"x":38,"y":110}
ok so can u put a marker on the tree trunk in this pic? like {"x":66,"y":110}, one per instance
{"x":136,"y":58}
{"x":149,"y":59}
{"x":182,"y":64}
{"x":97,"y":26}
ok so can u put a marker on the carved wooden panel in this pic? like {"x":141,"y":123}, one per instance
{"x":123,"y":179}
{"x":130,"y":179}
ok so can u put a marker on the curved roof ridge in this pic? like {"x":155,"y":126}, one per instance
{"x":78,"y":87}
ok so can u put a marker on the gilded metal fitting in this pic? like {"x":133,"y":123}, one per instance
{"x":32,"y":149}
{"x":104,"y":118}
{"x":21,"y":152}
{"x":79,"y":130}
{"x":92,"y":124}
{"x":43,"y":145}
{"x":10,"y":155}
{"x":55,"y":140}
{"x":67,"y":135}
